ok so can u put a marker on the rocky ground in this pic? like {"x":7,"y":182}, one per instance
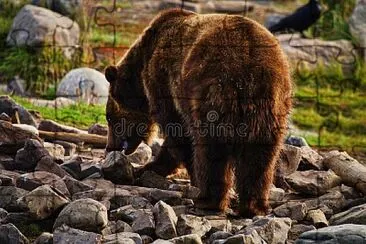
{"x":64,"y":192}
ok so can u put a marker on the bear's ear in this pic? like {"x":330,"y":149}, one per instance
{"x":111,"y":73}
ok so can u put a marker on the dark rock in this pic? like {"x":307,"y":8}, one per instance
{"x":310,"y":159}
{"x":8,"y":178}
{"x":144,"y":224}
{"x":3,"y":214}
{"x":294,"y":210}
{"x":190,"y":224}
{"x":117,"y":168}
{"x":123,"y":237}
{"x":9,"y":196}
{"x":355,"y":215}
{"x":9,"y":106}
{"x":153,"y":180}
{"x":48,"y":164}
{"x":28,"y":157}
{"x":10,"y":234}
{"x":44,"y":238}
{"x":297,"y":229}
{"x":114,"y":227}
{"x":31,"y":181}
{"x":75,"y":186}
{"x":219,"y":235}
{"x":65,"y":235}
{"x":156,"y":146}
{"x":166,"y":220}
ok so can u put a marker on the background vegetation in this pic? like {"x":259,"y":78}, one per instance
{"x":329,"y":103}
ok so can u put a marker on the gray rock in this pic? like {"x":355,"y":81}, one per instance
{"x":329,"y":203}
{"x":65,"y":235}
{"x":144,"y":224}
{"x":70,"y":148}
{"x":13,"y":138}
{"x":85,"y":214}
{"x":28,"y":157}
{"x":270,"y":229}
{"x":9,"y":196}
{"x":114,"y":227}
{"x":142,"y":155}
{"x":17,"y":86}
{"x":31,"y":181}
{"x":122,"y":238}
{"x":36,"y":27}
{"x":294,"y":210}
{"x":310,"y":159}
{"x":313,"y":182}
{"x":3,"y":214}
{"x":288,"y":161}
{"x":117,"y":168}
{"x":248,"y":237}
{"x":296,"y":141}
{"x":128,"y":213}
{"x":52,"y":126}
{"x":355,"y":215}
{"x":166,"y":220}
{"x":276,"y":194}
{"x":8,"y":178}
{"x":357,"y":24}
{"x":219,"y":235}
{"x":10,"y":234}
{"x":98,"y":129}
{"x":75,"y":186}
{"x":297,"y":229}
{"x":69,"y":8}
{"x":55,"y":150}
{"x":190,"y":224}
{"x":43,"y":201}
{"x":85,"y":84}
{"x":186,"y":239}
{"x":48,"y":164}
{"x":153,"y":180}
{"x":44,"y":238}
{"x":9,"y":106}
{"x":341,"y":234}
{"x":219,"y":223}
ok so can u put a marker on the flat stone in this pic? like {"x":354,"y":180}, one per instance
{"x":190,"y":224}
{"x":355,"y":215}
{"x":65,"y":235}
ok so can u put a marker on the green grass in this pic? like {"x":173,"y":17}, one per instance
{"x":80,"y":115}
{"x":338,"y":116}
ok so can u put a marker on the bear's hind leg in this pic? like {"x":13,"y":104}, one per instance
{"x":254,"y":175}
{"x":212,"y":174}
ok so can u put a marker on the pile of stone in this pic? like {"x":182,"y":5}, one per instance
{"x":90,"y":197}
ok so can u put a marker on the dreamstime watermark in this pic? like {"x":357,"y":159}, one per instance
{"x":211,"y":127}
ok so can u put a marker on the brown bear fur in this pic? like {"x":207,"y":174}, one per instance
{"x":188,"y":69}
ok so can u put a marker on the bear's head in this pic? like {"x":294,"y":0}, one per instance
{"x":126,"y":111}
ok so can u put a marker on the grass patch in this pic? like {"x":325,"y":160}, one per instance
{"x":332,"y":105}
{"x":80,"y":115}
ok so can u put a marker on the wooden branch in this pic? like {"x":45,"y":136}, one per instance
{"x":349,"y":169}
{"x":95,"y":140}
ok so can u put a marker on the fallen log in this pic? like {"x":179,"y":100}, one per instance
{"x":95,"y":140}
{"x":349,"y":169}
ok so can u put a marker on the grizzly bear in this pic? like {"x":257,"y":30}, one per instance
{"x":220,"y":90}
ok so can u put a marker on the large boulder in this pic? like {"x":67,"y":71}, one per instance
{"x":341,"y":234}
{"x":308,"y":53}
{"x":84,"y":84}
{"x":37,"y":27}
{"x":84,"y":214}
{"x":9,"y":106}
{"x":357,"y":24}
